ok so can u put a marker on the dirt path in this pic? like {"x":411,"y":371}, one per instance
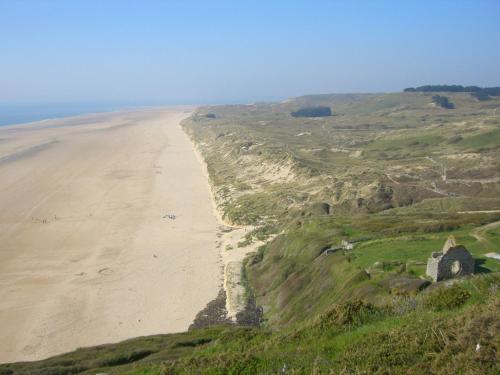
{"x":478,"y":233}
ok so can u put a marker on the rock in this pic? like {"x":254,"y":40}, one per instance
{"x":404,"y":285}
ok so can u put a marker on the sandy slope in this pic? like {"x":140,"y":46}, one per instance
{"x":86,"y":256}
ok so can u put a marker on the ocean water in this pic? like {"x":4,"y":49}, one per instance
{"x":11,"y":114}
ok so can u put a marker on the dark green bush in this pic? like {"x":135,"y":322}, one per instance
{"x":193,"y":343}
{"x":480,"y":95}
{"x":442,"y":101}
{"x":257,"y":258}
{"x":123,"y":358}
{"x":446,"y":298}
{"x":319,"y":111}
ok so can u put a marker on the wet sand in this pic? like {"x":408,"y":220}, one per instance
{"x":87,"y":255}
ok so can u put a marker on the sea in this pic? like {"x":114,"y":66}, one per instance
{"x":12,"y":114}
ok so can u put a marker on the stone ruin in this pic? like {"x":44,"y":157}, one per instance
{"x":453,"y":261}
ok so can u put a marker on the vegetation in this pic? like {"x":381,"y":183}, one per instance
{"x":480,"y":93}
{"x":319,"y":111}
{"x":389,"y":174}
{"x":442,"y":101}
{"x":402,"y":336}
{"x":443,"y":88}
{"x":447,"y":298}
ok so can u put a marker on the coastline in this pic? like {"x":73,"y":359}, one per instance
{"x":229,"y":235}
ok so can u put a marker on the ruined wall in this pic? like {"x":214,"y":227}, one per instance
{"x":432,"y":266}
{"x":456,"y":262}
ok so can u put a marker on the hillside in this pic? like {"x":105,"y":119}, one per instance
{"x":392,"y":174}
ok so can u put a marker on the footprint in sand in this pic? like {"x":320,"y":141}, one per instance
{"x":105,"y":271}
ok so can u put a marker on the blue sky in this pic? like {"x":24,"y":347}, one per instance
{"x":152,"y":52}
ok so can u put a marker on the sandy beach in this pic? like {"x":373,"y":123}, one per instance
{"x":107,"y":232}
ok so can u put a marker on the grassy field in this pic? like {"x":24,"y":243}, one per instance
{"x":393,"y":174}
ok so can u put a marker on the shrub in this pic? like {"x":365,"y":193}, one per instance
{"x":319,"y":111}
{"x":480,"y":95}
{"x":446,"y":298}
{"x":348,"y":313}
{"x":442,"y":101}
{"x":193,"y":343}
{"x":455,"y":139}
{"x":259,"y":255}
{"x":124,"y":358}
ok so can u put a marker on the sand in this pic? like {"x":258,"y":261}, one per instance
{"x":86,"y":254}
{"x":230,"y":238}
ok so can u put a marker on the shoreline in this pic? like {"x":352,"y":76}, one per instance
{"x":229,"y":236}
{"x":59,"y":111}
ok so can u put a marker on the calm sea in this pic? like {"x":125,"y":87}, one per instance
{"x":11,"y":114}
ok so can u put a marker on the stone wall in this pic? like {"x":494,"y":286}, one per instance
{"x":456,"y":262}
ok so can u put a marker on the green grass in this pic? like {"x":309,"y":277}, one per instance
{"x":407,"y":143}
{"x":417,"y":248}
{"x":435,"y":332}
{"x":487,"y":140}
{"x":118,"y":358}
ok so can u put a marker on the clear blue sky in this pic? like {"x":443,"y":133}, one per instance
{"x":226,"y":51}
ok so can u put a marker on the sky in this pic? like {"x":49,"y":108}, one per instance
{"x":193,"y":52}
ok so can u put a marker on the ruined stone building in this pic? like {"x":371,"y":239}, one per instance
{"x":346,"y":245}
{"x":453,"y":261}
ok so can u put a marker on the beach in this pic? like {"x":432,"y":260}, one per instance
{"x":107,"y":232}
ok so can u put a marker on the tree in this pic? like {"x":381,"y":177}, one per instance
{"x":442,"y":101}
{"x":319,"y":111}
{"x":480,"y":95}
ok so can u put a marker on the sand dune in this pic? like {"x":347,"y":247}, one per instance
{"x":86,"y":254}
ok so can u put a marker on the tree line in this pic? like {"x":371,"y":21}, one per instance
{"x":480,"y":93}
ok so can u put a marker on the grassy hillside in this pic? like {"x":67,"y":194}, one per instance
{"x":436,"y":332}
{"x":395,"y":175}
